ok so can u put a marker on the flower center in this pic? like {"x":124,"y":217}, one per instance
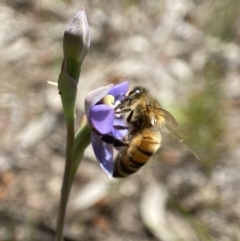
{"x":108,"y":100}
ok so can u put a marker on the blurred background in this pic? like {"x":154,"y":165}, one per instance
{"x":187,"y":53}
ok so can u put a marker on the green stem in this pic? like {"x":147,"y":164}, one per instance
{"x":66,"y":180}
{"x":82,"y":140}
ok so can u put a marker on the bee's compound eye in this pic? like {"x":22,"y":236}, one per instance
{"x":134,"y":91}
{"x":137,"y":90}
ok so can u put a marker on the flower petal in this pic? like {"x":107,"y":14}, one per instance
{"x":119,"y":122}
{"x":102,"y":117}
{"x":120,"y":134}
{"x":120,"y":129}
{"x":104,"y":153}
{"x":94,"y":96}
{"x":119,"y":90}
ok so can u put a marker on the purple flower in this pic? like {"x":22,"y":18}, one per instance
{"x":99,"y":109}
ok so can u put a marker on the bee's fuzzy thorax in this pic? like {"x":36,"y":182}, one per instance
{"x":146,"y":118}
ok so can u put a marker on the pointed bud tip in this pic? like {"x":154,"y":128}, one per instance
{"x":76,"y":41}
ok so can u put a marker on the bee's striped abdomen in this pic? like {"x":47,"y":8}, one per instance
{"x":141,"y":147}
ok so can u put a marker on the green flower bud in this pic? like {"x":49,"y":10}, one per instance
{"x":76,"y":40}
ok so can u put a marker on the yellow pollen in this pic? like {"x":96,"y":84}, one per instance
{"x":108,"y":100}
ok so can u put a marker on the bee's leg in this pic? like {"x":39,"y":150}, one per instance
{"x":118,"y":143}
{"x":123,"y":110}
{"x":129,"y":138}
{"x":114,"y":141}
{"x":127,"y":109}
{"x":126,"y":99}
{"x":130,"y":110}
{"x":111,"y":139}
{"x":120,"y":104}
{"x":120,"y":111}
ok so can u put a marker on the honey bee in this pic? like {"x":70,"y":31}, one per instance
{"x":146,"y":120}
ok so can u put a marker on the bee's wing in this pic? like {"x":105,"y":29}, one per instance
{"x":162,"y":118}
{"x":167,"y":124}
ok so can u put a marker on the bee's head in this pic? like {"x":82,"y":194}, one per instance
{"x":137,"y":90}
{"x":131,"y":97}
